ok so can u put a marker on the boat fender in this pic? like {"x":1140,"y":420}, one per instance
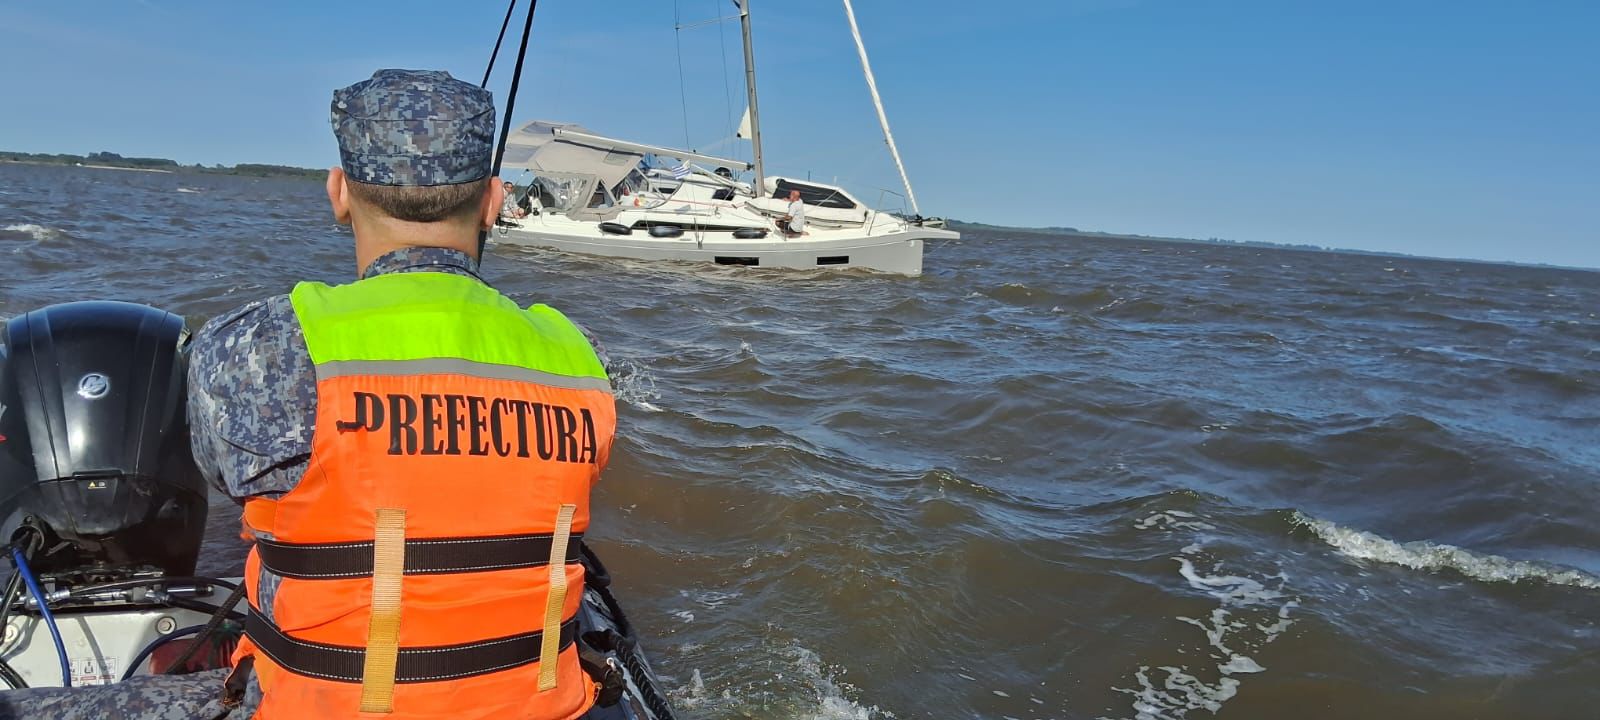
{"x":615,"y":228}
{"x":666,"y":231}
{"x":750,"y":233}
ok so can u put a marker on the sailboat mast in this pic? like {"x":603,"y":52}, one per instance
{"x":877,"y":102}
{"x":750,"y":89}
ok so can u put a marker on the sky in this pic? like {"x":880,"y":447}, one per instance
{"x":1460,"y":128}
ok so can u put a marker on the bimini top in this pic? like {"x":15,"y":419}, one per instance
{"x":542,"y":146}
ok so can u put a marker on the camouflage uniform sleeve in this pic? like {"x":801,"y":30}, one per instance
{"x":146,"y":697}
{"x":252,"y":399}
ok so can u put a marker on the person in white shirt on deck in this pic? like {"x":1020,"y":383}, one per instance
{"x":509,"y":209}
{"x":794,"y":223}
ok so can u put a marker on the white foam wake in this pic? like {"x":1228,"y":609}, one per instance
{"x":805,"y":688}
{"x":1250,"y":613}
{"x":828,"y":692}
{"x":1425,"y":555}
{"x":634,"y":384}
{"x":1174,"y":519}
{"x":37,"y":232}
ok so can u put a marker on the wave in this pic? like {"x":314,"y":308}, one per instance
{"x":634,"y":384}
{"x":37,"y":232}
{"x":808,"y":690}
{"x":1427,"y":555}
{"x":1251,"y":612}
{"x":1562,"y":383}
{"x":1022,"y":295}
{"x":1174,"y":519}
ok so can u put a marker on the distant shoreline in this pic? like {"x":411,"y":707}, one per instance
{"x":116,"y":167}
{"x":113,"y":161}
{"x":1074,"y":232}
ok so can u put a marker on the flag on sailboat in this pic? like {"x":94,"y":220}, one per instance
{"x":744,"y":125}
{"x":682,"y":171}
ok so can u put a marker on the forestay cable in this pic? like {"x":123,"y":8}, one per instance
{"x":511,"y":102}
{"x":497,"y":41}
{"x":727,"y":90}
{"x":683,"y":92}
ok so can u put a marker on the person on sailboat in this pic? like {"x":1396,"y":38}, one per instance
{"x":793,"y":224}
{"x":509,"y":208}
{"x":414,"y":453}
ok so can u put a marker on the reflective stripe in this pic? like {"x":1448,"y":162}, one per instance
{"x":383,"y":629}
{"x":430,"y":556}
{"x":421,"y":315}
{"x":556,"y":601}
{"x":341,"y":663}
{"x":458,"y":366}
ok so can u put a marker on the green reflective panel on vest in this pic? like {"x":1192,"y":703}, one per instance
{"x":416,"y":316}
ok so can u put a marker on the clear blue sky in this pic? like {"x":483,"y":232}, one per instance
{"x":1450,"y":128}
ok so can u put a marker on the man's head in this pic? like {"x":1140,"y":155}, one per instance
{"x":794,"y":195}
{"x":415,"y":151}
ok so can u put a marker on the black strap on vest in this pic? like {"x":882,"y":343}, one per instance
{"x":424,"y":556}
{"x":343,"y":663}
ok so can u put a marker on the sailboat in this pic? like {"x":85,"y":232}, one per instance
{"x":598,"y":195}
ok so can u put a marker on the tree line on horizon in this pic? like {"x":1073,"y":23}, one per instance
{"x":1063,"y":230}
{"x":111,"y":159}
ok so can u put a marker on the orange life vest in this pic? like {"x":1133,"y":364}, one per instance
{"x":426,"y":565}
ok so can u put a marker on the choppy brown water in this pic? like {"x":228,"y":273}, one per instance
{"x":1056,"y":477}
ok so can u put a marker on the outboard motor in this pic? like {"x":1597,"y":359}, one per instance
{"x":94,"y":441}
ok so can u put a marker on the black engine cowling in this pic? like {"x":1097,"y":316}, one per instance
{"x":94,"y":439}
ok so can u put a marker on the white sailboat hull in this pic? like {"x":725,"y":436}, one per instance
{"x":898,"y":250}
{"x":600,"y":196}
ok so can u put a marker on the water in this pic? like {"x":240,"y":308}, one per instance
{"x":1055,"y":477}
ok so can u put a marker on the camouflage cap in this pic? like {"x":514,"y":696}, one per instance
{"x":414,"y":127}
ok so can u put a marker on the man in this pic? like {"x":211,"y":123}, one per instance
{"x":419,"y":416}
{"x":413,"y":451}
{"x":794,"y":223}
{"x":508,"y":207}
